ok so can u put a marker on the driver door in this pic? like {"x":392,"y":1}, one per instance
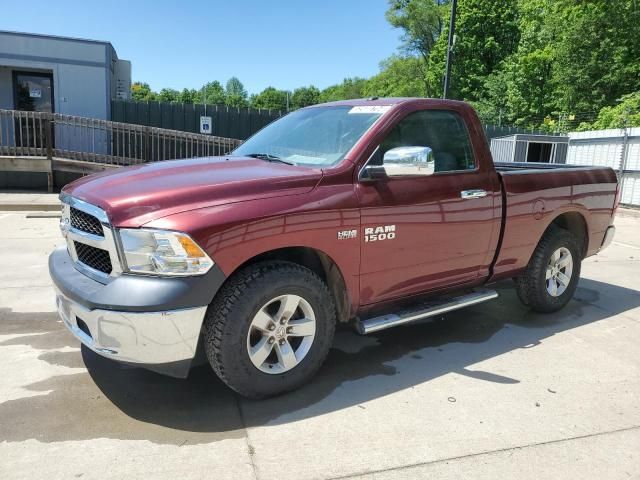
{"x":440,"y":236}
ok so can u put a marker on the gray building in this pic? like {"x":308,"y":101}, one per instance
{"x":58,"y":74}
{"x":530,"y":148}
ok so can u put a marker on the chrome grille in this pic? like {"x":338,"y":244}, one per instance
{"x":85,"y":223}
{"x":90,"y":239}
{"x":93,"y":257}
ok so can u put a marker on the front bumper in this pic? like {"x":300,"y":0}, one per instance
{"x":148,"y":321}
{"x":163,"y":341}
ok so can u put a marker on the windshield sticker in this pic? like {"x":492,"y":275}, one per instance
{"x":370,"y":109}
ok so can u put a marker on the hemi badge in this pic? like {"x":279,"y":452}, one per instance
{"x":347,"y":234}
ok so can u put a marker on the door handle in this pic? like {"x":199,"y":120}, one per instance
{"x":469,"y":194}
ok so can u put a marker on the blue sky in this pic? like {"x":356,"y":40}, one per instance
{"x":280,"y":43}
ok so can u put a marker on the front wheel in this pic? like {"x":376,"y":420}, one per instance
{"x":269,"y":329}
{"x":551,"y":277}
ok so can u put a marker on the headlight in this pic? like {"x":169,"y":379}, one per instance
{"x":163,"y":252}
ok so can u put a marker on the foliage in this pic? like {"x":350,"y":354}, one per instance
{"x":348,"y":89}
{"x":398,"y":77}
{"x":530,"y":86}
{"x":168,"y":95}
{"x":141,"y":92}
{"x":421,"y":21}
{"x":212,"y":93}
{"x":270,"y":98}
{"x":188,"y":96}
{"x":486,"y":33}
{"x":599,"y":53}
{"x":624,"y":114}
{"x":235,"y":94}
{"x":305,"y":96}
{"x":493,"y":106}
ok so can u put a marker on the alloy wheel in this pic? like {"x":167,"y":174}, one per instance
{"x":281,"y":334}
{"x":559,"y":271}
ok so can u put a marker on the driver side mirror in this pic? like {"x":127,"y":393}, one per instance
{"x":402,"y":162}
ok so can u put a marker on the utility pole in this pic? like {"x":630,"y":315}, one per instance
{"x":452,"y":28}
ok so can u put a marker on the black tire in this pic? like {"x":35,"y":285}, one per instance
{"x":531,"y":286}
{"x":229,"y":318}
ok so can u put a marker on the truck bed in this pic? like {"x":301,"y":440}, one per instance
{"x":534,"y":194}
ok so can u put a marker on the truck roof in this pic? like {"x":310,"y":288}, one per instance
{"x":386,"y":101}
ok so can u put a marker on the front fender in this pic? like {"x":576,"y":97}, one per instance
{"x":233,"y":234}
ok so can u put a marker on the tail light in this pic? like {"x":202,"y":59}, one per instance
{"x":616,"y":202}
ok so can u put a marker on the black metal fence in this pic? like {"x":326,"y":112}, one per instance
{"x":493,"y":131}
{"x":228,"y":122}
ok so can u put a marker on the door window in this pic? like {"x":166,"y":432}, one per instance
{"x":442,"y":131}
{"x":33,"y":92}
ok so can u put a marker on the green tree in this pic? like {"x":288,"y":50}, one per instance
{"x":625,"y":114}
{"x":188,"y":96}
{"x":422,"y":23}
{"x":487,"y":32}
{"x":235,"y":93}
{"x":530,"y":87}
{"x":348,"y":89}
{"x":212,"y":93}
{"x":494,"y":106}
{"x":305,"y":96}
{"x":398,"y":77}
{"x":597,"y":52}
{"x":141,"y":92}
{"x":270,"y":98}
{"x":573,"y":59}
{"x":527,"y":93}
{"x":168,"y":95}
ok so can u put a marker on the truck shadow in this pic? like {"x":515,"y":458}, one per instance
{"x":201,"y":409}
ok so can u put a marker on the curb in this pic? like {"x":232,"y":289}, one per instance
{"x":29,"y":207}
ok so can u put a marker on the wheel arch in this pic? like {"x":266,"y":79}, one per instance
{"x":318,"y":262}
{"x":576,"y":223}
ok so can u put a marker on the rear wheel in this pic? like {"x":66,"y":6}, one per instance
{"x":551,"y":277}
{"x":269,"y":329}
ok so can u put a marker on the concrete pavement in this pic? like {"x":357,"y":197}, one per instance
{"x":493,"y":391}
{"x":29,"y":201}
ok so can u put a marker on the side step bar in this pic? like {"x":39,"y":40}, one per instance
{"x":383,"y":322}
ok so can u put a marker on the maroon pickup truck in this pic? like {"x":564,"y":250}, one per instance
{"x":376,"y":212}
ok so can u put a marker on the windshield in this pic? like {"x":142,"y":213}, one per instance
{"x":317,"y":137}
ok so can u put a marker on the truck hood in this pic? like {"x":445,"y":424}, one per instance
{"x":133,"y":196}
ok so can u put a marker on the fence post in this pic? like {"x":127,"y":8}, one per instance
{"x":48,"y":125}
{"x":623,"y":156}
{"x":147,"y":152}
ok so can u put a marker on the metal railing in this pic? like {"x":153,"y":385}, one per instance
{"x":53,"y":135}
